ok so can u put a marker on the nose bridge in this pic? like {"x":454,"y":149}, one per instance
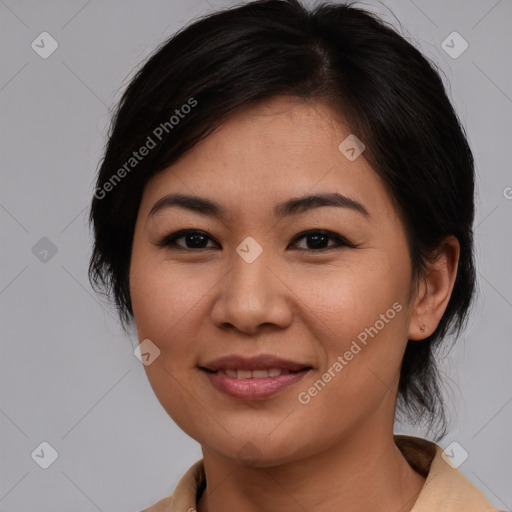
{"x":250,"y":278}
{"x":251,"y":294}
{"x":248,"y":284}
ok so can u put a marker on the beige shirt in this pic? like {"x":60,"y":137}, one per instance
{"x":445,"y":489}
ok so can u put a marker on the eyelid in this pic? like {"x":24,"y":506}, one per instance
{"x":340,"y":240}
{"x":165,"y":242}
{"x":168,"y":241}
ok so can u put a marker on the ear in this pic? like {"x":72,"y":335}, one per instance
{"x":435,"y":290}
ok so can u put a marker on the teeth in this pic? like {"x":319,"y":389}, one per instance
{"x":243,"y":374}
{"x":254,"y":374}
{"x":259,"y":374}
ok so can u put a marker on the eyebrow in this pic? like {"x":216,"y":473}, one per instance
{"x":292,"y":206}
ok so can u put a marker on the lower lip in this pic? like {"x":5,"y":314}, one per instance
{"x":253,"y":389}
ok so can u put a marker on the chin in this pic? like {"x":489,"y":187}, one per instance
{"x":259,"y":451}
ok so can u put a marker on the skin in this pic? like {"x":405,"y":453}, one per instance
{"x":337,"y":451}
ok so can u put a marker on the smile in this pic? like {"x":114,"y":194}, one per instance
{"x":253,"y":378}
{"x":253,"y":374}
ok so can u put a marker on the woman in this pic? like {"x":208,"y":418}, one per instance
{"x":285,"y":211}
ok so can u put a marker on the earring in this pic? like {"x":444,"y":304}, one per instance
{"x":422,"y":329}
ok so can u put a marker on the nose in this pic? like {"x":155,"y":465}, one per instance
{"x":252,"y":295}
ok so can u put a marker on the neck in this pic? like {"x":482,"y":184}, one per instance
{"x":363,"y":473}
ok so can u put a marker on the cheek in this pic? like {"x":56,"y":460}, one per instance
{"x":343,"y":302}
{"x":166,"y":303}
{"x":165,"y":298}
{"x":359,"y":318}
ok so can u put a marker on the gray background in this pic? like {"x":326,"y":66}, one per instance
{"x":68,"y":373}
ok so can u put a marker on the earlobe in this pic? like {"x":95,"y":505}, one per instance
{"x":435,"y":291}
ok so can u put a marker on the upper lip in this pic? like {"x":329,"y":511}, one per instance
{"x":235,"y":362}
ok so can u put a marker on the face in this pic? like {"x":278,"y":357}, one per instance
{"x":315,"y":289}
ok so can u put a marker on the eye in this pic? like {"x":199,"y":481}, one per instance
{"x":194,"y":239}
{"x":318,"y":239}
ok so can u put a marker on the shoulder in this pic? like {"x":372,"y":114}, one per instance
{"x":445,"y":488}
{"x":184,"y":497}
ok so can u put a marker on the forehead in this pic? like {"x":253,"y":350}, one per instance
{"x":280,"y":148}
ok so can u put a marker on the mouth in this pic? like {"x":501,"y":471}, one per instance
{"x":253,"y":378}
{"x":263,"y":373}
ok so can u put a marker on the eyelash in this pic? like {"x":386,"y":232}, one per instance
{"x":169,"y":241}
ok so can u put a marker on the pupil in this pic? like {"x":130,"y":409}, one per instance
{"x":197,"y":240}
{"x":318,"y":240}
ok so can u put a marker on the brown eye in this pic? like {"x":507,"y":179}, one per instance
{"x":317,"y":241}
{"x":193,"y":239}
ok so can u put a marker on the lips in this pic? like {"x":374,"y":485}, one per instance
{"x":253,"y":374}
{"x":256,"y":378}
{"x":241,"y":364}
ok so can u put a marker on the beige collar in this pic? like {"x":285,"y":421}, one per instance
{"x":445,"y":488}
